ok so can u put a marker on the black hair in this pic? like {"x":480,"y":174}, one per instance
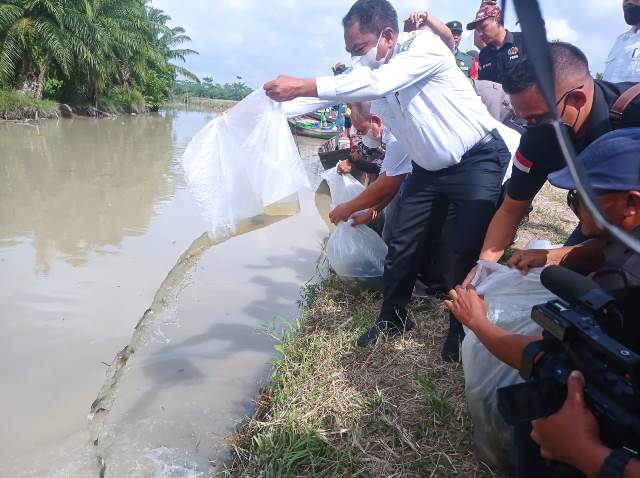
{"x":373,"y":15}
{"x":568,"y":62}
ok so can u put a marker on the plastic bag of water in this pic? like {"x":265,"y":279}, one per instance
{"x":352,"y":251}
{"x":510,"y":297}
{"x":243,"y":162}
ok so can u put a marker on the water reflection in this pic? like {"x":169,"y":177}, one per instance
{"x":83,"y":187}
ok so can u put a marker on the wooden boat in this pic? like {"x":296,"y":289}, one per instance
{"x":330,"y":156}
{"x":330,"y":116}
{"x":305,"y":126}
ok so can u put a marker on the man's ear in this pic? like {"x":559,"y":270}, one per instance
{"x":632,"y":207}
{"x":389,"y":35}
{"x":577,"y":99}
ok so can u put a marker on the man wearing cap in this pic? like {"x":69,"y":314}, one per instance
{"x":571,"y":436}
{"x":464,"y":60}
{"x":503,"y":47}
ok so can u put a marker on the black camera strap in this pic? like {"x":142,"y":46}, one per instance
{"x":615,"y":463}
{"x":535,"y":35}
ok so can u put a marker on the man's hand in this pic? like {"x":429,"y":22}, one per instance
{"x":525,"y":260}
{"x":363,"y":217}
{"x":340,"y":213}
{"x":337,"y":67}
{"x":344,"y":167}
{"x":472,"y":273}
{"x":415,"y":21}
{"x":286,"y":88}
{"x":468,"y":307}
{"x":568,"y":435}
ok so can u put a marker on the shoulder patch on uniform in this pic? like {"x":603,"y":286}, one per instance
{"x":513,"y":50}
{"x":407,"y":44}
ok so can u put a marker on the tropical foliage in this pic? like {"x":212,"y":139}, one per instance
{"x":207,"y":89}
{"x":83,"y":50}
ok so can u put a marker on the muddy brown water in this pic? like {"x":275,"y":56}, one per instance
{"x":94,"y":215}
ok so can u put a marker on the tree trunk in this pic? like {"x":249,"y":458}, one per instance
{"x":39,"y":86}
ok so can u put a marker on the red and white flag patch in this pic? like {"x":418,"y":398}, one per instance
{"x":522,"y":163}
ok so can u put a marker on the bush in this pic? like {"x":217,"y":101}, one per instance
{"x":125,"y":98}
{"x":52,"y":89}
{"x":10,"y":100}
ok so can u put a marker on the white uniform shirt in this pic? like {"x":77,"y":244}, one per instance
{"x":396,"y":162}
{"x":430,"y":105}
{"x":623,"y":63}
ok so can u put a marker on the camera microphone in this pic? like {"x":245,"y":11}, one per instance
{"x":574,"y":288}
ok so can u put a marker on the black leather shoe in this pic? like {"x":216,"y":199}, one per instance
{"x":385,"y":328}
{"x":451,"y":348}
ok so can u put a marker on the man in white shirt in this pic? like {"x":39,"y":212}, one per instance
{"x":458,"y":156}
{"x":623,"y":63}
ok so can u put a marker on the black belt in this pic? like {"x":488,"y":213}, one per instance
{"x":490,"y":136}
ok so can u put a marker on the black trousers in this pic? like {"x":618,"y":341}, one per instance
{"x":472,"y":187}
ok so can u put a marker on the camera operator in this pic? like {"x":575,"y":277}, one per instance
{"x":612,"y":164}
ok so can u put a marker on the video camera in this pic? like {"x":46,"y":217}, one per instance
{"x":574,"y":339}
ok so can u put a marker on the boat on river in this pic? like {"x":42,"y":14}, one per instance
{"x":306,"y":126}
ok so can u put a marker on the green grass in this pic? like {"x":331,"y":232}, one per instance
{"x":209,"y":103}
{"x":13,"y":103}
{"x":333,"y":410}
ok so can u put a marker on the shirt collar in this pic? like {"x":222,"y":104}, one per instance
{"x":508,"y":39}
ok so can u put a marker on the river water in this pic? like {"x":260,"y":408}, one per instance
{"x":94,"y":216}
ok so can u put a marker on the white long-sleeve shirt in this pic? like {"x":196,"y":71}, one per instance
{"x":623,"y":62}
{"x":427,"y":102}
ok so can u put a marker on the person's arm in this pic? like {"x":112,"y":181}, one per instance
{"x":584,"y":258}
{"x":421,"y":59}
{"x":423,"y":21}
{"x":471,"y":310}
{"x":442,"y":30}
{"x":382,"y":189}
{"x":572,"y":435}
{"x":503,"y":228}
{"x":304,"y":105}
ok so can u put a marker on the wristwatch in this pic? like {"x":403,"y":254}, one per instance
{"x":616,"y":462}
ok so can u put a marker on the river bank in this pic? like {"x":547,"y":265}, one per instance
{"x":213,"y":104}
{"x":331,"y":409}
{"x":16,"y":106}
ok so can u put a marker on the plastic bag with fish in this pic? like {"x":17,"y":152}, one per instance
{"x":243,"y":163}
{"x":352,"y":251}
{"x":510,"y":297}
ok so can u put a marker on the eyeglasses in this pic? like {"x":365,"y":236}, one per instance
{"x":564,"y":98}
{"x":574,"y":201}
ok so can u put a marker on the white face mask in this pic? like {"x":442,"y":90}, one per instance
{"x":371,"y":141}
{"x":369,"y":59}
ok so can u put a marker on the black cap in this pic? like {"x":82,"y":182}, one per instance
{"x":455,"y":26}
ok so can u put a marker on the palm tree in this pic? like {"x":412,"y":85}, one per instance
{"x":93,"y":44}
{"x":32,"y":38}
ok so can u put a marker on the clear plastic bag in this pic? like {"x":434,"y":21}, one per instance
{"x":510,"y":297}
{"x":354,"y":252}
{"x":242,"y":162}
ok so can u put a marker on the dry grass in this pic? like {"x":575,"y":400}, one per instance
{"x":332,"y":409}
{"x":397,"y":410}
{"x":551,"y":218}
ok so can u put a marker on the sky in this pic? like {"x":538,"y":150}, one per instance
{"x":260,"y":39}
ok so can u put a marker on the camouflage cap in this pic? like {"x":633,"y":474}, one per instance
{"x":488,"y":10}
